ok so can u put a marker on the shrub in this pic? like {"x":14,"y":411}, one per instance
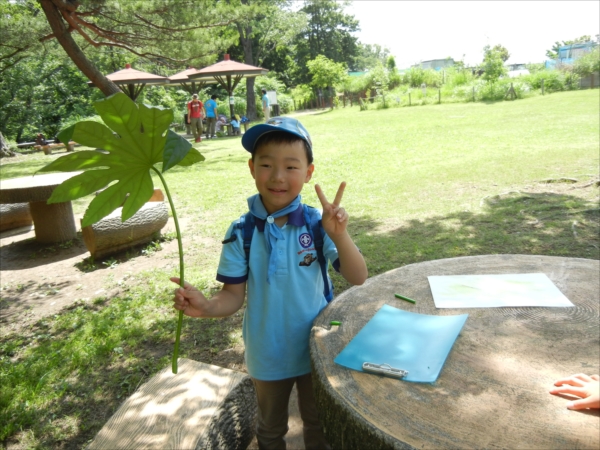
{"x":588,"y":63}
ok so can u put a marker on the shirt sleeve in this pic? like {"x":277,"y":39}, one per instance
{"x":331,"y":253}
{"x":233,"y":266}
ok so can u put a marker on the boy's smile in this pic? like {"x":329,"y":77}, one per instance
{"x":280,"y":170}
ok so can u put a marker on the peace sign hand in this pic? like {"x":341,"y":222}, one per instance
{"x":335,"y":218}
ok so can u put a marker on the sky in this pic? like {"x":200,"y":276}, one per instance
{"x":417,"y":31}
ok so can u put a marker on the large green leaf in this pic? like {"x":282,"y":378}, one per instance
{"x":134,"y":139}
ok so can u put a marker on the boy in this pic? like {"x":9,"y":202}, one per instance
{"x":235,"y":125}
{"x":285,"y":291}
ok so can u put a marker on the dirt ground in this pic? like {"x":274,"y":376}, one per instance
{"x":38,"y":280}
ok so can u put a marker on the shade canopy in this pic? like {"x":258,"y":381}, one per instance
{"x":228,"y":74}
{"x":192,"y":86}
{"x":132,"y":81}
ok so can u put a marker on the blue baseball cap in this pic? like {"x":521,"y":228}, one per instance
{"x":285,"y":124}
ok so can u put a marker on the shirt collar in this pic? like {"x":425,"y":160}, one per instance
{"x":295,"y":218}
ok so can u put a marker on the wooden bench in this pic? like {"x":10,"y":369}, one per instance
{"x":14,"y":215}
{"x":200,"y":407}
{"x":110,"y":235}
{"x":47,"y":149}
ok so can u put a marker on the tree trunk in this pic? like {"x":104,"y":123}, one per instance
{"x":246,"y":41}
{"x":67,"y":42}
{"x":4,"y":150}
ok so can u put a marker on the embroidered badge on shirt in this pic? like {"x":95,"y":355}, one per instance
{"x":305,"y":240}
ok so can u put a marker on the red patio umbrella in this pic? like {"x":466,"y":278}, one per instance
{"x":132,"y":81}
{"x":228,"y":73}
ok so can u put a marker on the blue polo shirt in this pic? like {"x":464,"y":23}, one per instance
{"x":210,"y":107}
{"x":279,"y":315}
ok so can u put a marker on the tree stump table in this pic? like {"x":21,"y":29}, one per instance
{"x":493,"y":389}
{"x":52,"y":223}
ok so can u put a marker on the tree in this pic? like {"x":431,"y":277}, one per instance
{"x":325,"y":72}
{"x":502,"y":52}
{"x":328,"y":33}
{"x":265,"y":26}
{"x":493,"y":64}
{"x":4,"y":148}
{"x":390,"y":63}
{"x":40,"y":94}
{"x":553,"y":52}
{"x":369,"y":56}
{"x":138,"y":28}
{"x":16,"y":45}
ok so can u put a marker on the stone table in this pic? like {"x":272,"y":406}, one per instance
{"x":52,"y":223}
{"x":493,"y":389}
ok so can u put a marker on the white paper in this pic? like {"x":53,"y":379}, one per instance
{"x":490,"y":291}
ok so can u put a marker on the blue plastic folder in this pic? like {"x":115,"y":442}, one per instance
{"x":418,"y":343}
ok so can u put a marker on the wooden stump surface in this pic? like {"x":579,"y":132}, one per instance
{"x":493,"y":389}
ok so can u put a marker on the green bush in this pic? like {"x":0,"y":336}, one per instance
{"x":588,"y":63}
{"x":458,"y":77}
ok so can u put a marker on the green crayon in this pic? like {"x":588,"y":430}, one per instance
{"x":405,"y":298}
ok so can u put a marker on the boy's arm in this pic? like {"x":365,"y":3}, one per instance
{"x":194,"y":304}
{"x":335,"y":220}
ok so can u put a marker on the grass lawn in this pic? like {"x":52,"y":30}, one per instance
{"x":424,"y":183}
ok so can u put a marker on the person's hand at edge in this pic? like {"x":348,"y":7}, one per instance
{"x":580,"y":385}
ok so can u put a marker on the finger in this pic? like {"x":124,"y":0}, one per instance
{"x":573,"y":380}
{"x":583,"y":377}
{"x":596,"y":377}
{"x":580,"y":404}
{"x":579,"y":392}
{"x":178,"y":281}
{"x":342,"y":215}
{"x":321,"y":196}
{"x":340,"y":193}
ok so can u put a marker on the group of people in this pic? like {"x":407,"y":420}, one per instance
{"x":197,"y":111}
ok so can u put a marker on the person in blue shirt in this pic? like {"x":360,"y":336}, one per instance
{"x":235,"y":125}
{"x":211,"y":117}
{"x":281,"y":277}
{"x":265,"y":105}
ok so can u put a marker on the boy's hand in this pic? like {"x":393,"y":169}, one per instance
{"x":189,"y":300}
{"x":580,"y":385}
{"x":335,"y":218}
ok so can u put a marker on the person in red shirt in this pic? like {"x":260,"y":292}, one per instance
{"x":195,"y":114}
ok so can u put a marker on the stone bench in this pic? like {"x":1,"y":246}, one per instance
{"x":200,"y":407}
{"x":14,"y":215}
{"x":109,"y":235}
{"x":47,"y":149}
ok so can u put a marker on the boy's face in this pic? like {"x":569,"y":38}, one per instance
{"x":280,"y":171}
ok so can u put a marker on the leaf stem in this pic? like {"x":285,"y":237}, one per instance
{"x":181,"y":269}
